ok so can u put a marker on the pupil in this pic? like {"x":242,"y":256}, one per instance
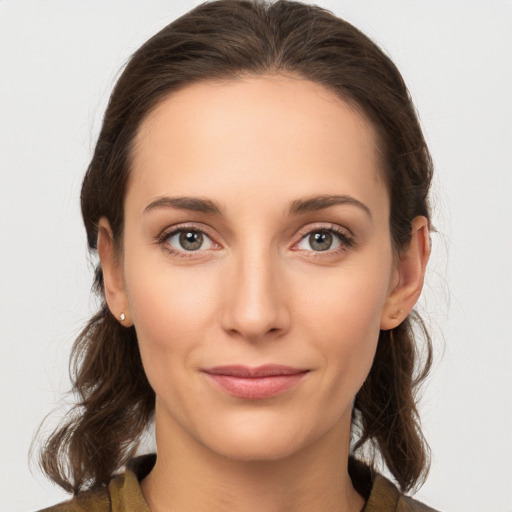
{"x":191,"y":240}
{"x":320,"y":241}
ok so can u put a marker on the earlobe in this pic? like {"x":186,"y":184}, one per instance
{"x":411,"y":272}
{"x":113,"y":279}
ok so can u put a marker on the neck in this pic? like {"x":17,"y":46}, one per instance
{"x":189,"y":477}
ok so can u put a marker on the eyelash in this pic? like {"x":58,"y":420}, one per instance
{"x":163,"y":238}
{"x":346,"y":240}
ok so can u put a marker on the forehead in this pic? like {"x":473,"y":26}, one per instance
{"x":282,"y":131}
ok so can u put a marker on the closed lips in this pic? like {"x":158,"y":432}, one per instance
{"x":254,"y":372}
{"x":255,"y":383}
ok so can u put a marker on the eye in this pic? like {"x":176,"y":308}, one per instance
{"x":188,"y":240}
{"x":322,"y":240}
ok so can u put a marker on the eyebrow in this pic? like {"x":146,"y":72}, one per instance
{"x":297,"y":207}
{"x":194,"y":204}
{"x":316,"y":203}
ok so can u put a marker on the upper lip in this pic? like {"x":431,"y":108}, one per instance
{"x":267,"y":370}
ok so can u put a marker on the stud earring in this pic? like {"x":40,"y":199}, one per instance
{"x":122,"y":316}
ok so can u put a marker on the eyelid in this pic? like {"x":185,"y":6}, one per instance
{"x":345,"y":236}
{"x":169,"y":231}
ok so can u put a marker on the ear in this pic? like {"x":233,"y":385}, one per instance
{"x":113,"y":279}
{"x":410,"y":275}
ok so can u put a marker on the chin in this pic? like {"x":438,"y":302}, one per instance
{"x":257,"y":449}
{"x":258,"y":440}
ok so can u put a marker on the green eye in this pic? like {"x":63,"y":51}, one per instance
{"x":320,"y":241}
{"x":324,"y":240}
{"x":189,"y":240}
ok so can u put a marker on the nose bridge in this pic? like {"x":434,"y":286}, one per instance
{"x":255,"y":307}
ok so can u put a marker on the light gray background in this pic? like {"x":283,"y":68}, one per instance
{"x":58,"y":62}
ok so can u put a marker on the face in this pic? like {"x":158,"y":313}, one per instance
{"x":257,"y":264}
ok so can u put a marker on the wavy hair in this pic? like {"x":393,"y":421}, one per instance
{"x":226,"y":39}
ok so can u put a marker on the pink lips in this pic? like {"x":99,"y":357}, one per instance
{"x":255,"y":383}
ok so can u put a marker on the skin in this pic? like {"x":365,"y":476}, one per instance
{"x":257,"y":291}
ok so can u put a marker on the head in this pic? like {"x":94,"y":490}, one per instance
{"x":223,"y":53}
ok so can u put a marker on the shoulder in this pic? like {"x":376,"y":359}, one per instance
{"x":381,"y":494}
{"x":407,"y":504}
{"x":123,"y":493}
{"x":386,"y":497}
{"x":97,"y":500}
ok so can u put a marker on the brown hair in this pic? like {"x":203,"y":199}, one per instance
{"x":222,"y":40}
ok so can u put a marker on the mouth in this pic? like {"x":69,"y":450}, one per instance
{"x":254,"y":382}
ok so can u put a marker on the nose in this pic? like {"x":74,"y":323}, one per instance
{"x":255,"y":307}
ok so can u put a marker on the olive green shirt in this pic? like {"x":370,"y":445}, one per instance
{"x":124,"y":494}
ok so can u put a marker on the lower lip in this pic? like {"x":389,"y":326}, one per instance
{"x":256,"y":387}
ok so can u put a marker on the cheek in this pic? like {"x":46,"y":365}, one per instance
{"x":346,"y":301}
{"x":343,"y":316}
{"x":172,"y":311}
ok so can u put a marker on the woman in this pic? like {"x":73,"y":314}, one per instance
{"x":258,"y":198}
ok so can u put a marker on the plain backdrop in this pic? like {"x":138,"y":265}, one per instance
{"x":58,"y":62}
